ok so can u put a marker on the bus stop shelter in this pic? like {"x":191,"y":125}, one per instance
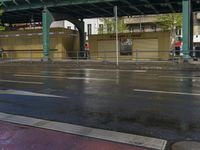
{"x":47,"y":11}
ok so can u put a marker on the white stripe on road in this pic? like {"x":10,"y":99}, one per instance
{"x":140,"y":71}
{"x":106,"y":70}
{"x":62,"y":72}
{"x":26,"y":93}
{"x":21,"y":82}
{"x":166,"y":92}
{"x":147,"y":142}
{"x":179,"y":77}
{"x":60,"y":77}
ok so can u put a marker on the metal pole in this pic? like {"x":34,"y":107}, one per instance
{"x":140,"y":23}
{"x":117,"y":35}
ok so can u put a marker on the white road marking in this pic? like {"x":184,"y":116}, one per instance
{"x":106,"y":70}
{"x":148,"y":142}
{"x":179,"y":77}
{"x":60,"y":77}
{"x":65,"y":72}
{"x":166,"y":92}
{"x":140,"y":71}
{"x":21,"y":82}
{"x":25,"y":93}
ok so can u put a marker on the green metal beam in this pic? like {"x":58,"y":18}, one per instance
{"x":47,"y":19}
{"x":186,"y":27}
{"x":37,"y":5}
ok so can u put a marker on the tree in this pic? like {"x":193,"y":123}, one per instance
{"x":170,"y":22}
{"x":1,"y":13}
{"x":109,"y":26}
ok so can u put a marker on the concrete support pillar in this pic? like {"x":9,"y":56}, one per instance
{"x":187,"y":28}
{"x":47,"y":19}
{"x":191,"y":31}
{"x":80,"y":25}
{"x":82,"y":38}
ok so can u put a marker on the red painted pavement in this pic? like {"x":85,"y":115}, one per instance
{"x":17,"y":137}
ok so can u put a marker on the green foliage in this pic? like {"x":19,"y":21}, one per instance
{"x":1,"y":13}
{"x":109,"y":26}
{"x":170,"y":22}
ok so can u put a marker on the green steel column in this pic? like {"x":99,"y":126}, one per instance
{"x":186,"y":28}
{"x":191,"y":30}
{"x":47,"y":19}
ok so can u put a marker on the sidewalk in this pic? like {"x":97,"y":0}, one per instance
{"x":26,"y":133}
{"x":126,"y":65}
{"x":19,"y":137}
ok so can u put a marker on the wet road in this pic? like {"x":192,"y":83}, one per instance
{"x":157,"y":104}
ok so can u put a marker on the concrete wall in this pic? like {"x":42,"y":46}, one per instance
{"x":28,"y":43}
{"x":162,"y":37}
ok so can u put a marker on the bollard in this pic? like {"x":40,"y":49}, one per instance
{"x":136,"y":56}
{"x":104,"y":60}
{"x":11,"y":57}
{"x":77,"y":58}
{"x":173,"y":55}
{"x":31,"y":57}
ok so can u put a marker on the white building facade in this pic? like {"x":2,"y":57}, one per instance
{"x":91,"y":26}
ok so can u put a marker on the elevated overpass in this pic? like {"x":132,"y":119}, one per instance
{"x":46,"y":11}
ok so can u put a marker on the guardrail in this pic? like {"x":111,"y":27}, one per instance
{"x":136,"y":56}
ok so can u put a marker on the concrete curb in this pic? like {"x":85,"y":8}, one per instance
{"x":113,"y":136}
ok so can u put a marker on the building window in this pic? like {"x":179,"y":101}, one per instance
{"x":142,"y":28}
{"x":178,"y":31}
{"x":153,"y":27}
{"x":89,"y":29}
{"x":101,"y":28}
{"x":109,"y":28}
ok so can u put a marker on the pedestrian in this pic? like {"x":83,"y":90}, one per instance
{"x":87,"y":51}
{"x":1,"y":53}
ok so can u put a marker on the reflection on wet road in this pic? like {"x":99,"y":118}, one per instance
{"x":159,"y":104}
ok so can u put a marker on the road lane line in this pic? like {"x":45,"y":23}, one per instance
{"x":21,"y":82}
{"x":166,"y":92}
{"x":60,"y":77}
{"x":75,"y":73}
{"x":59,"y":72}
{"x":147,"y":142}
{"x":26,"y":93}
{"x":179,"y":77}
{"x":107,"y":70}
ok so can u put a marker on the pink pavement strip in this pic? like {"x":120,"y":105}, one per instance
{"x":19,"y":137}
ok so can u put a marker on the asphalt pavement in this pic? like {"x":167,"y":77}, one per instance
{"x":160,"y":104}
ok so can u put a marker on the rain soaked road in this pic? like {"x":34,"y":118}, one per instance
{"x":163,"y":104}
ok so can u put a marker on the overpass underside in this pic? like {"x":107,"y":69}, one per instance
{"x":47,"y":11}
